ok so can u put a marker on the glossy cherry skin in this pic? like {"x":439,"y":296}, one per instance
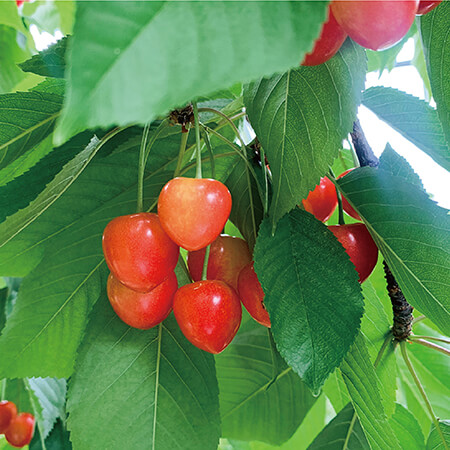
{"x":425,"y":6}
{"x":193,"y":211}
{"x":322,"y":201}
{"x":142,"y":310}
{"x":345,"y":204}
{"x":328,"y":44}
{"x":252,"y":295}
{"x":138,"y":252}
{"x":209,"y":314}
{"x":228,"y":255}
{"x":21,"y":430}
{"x":8,"y":412}
{"x":375,"y":24}
{"x":359,"y":245}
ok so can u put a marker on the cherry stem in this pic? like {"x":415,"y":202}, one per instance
{"x":418,"y":319}
{"x":198,"y":173}
{"x":431,"y":338}
{"x":266,"y":182}
{"x":341,"y":219}
{"x":430,"y":345}
{"x":141,"y":167}
{"x":183,"y":142}
{"x":205,"y":263}
{"x":422,"y":391}
{"x":210,"y":151}
{"x":3,"y":389}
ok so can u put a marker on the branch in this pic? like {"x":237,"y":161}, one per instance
{"x":363,"y":150}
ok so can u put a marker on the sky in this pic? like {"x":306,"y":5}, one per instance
{"x":435,"y":179}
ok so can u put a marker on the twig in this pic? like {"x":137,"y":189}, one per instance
{"x":363,"y":150}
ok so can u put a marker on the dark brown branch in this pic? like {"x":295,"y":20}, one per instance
{"x":365,"y":154}
{"x":401,"y":308}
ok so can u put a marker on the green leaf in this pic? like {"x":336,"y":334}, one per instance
{"x":166,"y":388}
{"x":375,"y":327}
{"x":18,"y":193}
{"x":412,"y":233}
{"x":247,"y":209}
{"x":26,"y":118}
{"x":392,"y":162}
{"x":342,"y":433}
{"x":407,"y":429}
{"x":255,"y":384}
{"x":65,"y":178}
{"x":336,"y":391}
{"x":301,"y":117}
{"x":164,"y":74}
{"x":48,"y":63}
{"x":314,"y":310}
{"x":58,"y":439}
{"x":50,"y":396}
{"x":3,"y":297}
{"x":9,"y":15}
{"x":434,"y":439}
{"x":413,"y":118}
{"x":436,"y":45}
{"x":364,"y":388}
{"x":11,"y":54}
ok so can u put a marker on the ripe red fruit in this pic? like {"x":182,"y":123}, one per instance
{"x":345,"y":204}
{"x":8,"y":412}
{"x":327,"y":45}
{"x":322,"y":201}
{"x":227,"y":257}
{"x":359,"y":245}
{"x":252,"y":295}
{"x":138,"y":251}
{"x":142,"y":310}
{"x":193,"y":211}
{"x":209,"y":314}
{"x":425,"y":6}
{"x":375,"y":24}
{"x":21,"y":430}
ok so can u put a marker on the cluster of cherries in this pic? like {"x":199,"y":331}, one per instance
{"x":142,"y":250}
{"x":355,"y":238}
{"x":17,"y":428}
{"x":376,"y":25}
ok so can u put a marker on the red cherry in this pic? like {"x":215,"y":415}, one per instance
{"x":252,"y":295}
{"x":327,"y":45}
{"x":138,"y":251}
{"x":193,"y":211}
{"x":359,"y":245}
{"x":21,"y":430}
{"x":425,"y":6}
{"x":8,"y":412}
{"x":227,"y":257}
{"x":345,"y":204}
{"x":375,"y":24}
{"x":209,"y":314}
{"x":142,"y":310}
{"x":322,"y":201}
{"x":21,"y":2}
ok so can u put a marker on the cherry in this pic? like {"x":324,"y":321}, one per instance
{"x":345,"y":204}
{"x":252,"y":295}
{"x":328,"y":44}
{"x":228,"y":255}
{"x":322,"y":201}
{"x":209,"y":314}
{"x":425,"y":6}
{"x":21,"y":430}
{"x":8,"y":412}
{"x":375,"y":24}
{"x":359,"y":245}
{"x":142,"y":310}
{"x":138,"y":251}
{"x":193,"y":211}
